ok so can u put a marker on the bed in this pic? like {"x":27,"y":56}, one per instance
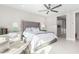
{"x":39,"y":41}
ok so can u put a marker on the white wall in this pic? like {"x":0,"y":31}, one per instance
{"x":51,"y":22}
{"x":70,"y":24}
{"x":10,"y":15}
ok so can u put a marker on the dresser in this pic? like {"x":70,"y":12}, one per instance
{"x":3,"y":31}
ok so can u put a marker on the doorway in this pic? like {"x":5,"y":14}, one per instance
{"x":77,"y":26}
{"x":61,"y":26}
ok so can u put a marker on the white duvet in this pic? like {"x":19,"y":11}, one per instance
{"x":37,"y":39}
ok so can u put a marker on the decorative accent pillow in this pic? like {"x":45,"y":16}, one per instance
{"x":35,"y":30}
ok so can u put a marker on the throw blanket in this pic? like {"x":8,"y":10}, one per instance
{"x":45,"y":44}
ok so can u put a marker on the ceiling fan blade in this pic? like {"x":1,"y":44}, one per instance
{"x":47,"y":12}
{"x":46,"y":6}
{"x":49,"y":6}
{"x":57,"y":6}
{"x":54,"y":11}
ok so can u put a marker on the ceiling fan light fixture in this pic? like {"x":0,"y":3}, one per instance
{"x":50,"y":8}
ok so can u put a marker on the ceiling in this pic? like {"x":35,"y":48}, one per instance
{"x":34,"y":8}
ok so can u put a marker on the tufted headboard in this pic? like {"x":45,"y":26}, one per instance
{"x":27,"y":24}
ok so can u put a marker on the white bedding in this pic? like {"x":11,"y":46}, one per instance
{"x":38,"y":38}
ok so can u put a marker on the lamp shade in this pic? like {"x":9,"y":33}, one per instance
{"x":15,"y":27}
{"x":15,"y":24}
{"x":43,"y":26}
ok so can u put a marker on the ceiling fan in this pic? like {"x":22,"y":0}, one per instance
{"x":49,"y":8}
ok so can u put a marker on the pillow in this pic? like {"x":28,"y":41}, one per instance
{"x":13,"y":35}
{"x":28,"y":30}
{"x":35,"y":30}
